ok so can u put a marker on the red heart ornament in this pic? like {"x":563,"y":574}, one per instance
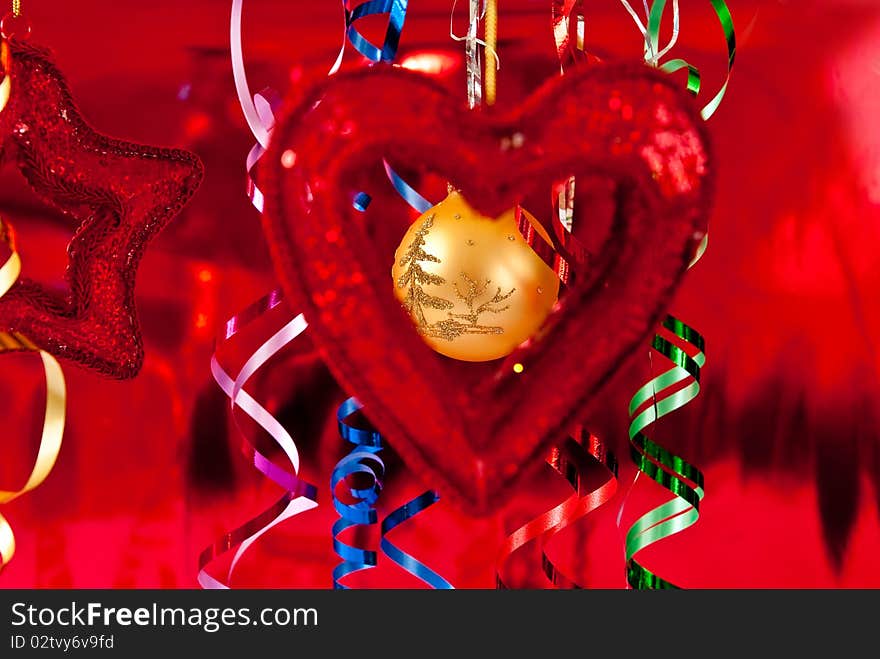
{"x":471,"y":430}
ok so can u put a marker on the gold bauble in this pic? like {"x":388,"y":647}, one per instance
{"x":473,"y":287}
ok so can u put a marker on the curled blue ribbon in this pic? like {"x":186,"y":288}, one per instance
{"x":363,"y":459}
{"x":405,"y":190}
{"x":361,"y":201}
{"x":368,"y":442}
{"x":409,"y":194}
{"x":396,"y":10}
{"x":404,"y":560}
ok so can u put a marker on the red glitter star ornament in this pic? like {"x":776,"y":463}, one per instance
{"x":121,"y":195}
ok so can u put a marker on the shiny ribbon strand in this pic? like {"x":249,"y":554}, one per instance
{"x":684,"y":348}
{"x":259,"y":113}
{"x":361,"y":200}
{"x":572,"y":460}
{"x":396,"y":11}
{"x":558,"y":255}
{"x":363,"y":460}
{"x":668,"y":470}
{"x":675,"y":474}
{"x":6,"y":83}
{"x":56,"y":390}
{"x":299,"y":495}
{"x":387,"y":52}
{"x":472,"y":55}
{"x":258,"y":109}
{"x":694,"y":83}
{"x":576,"y":454}
{"x":569,"y":52}
{"x":560,"y":14}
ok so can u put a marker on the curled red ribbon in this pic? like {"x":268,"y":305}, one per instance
{"x":576,"y":460}
{"x":578,"y":455}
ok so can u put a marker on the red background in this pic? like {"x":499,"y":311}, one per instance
{"x":785,"y":429}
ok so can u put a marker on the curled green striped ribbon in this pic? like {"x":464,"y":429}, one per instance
{"x":685,"y":351}
{"x":684,"y":348}
{"x":694,"y":82}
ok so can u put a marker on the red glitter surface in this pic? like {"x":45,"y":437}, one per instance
{"x":120,"y":194}
{"x":786,"y":426}
{"x":472,"y":430}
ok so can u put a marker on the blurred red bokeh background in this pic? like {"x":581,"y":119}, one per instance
{"x":786,"y":428}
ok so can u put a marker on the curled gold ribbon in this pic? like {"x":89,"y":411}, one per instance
{"x":56,"y":393}
{"x":6,"y":83}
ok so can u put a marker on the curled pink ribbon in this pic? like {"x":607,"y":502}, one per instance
{"x":299,"y":496}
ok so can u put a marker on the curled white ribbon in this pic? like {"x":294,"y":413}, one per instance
{"x":654,"y":58}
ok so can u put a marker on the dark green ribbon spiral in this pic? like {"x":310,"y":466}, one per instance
{"x":663,"y":467}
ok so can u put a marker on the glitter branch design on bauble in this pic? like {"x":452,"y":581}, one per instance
{"x":415,"y":277}
{"x":416,"y":299}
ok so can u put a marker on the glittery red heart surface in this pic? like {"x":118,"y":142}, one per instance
{"x":471,"y":430}
{"x":118,"y":193}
